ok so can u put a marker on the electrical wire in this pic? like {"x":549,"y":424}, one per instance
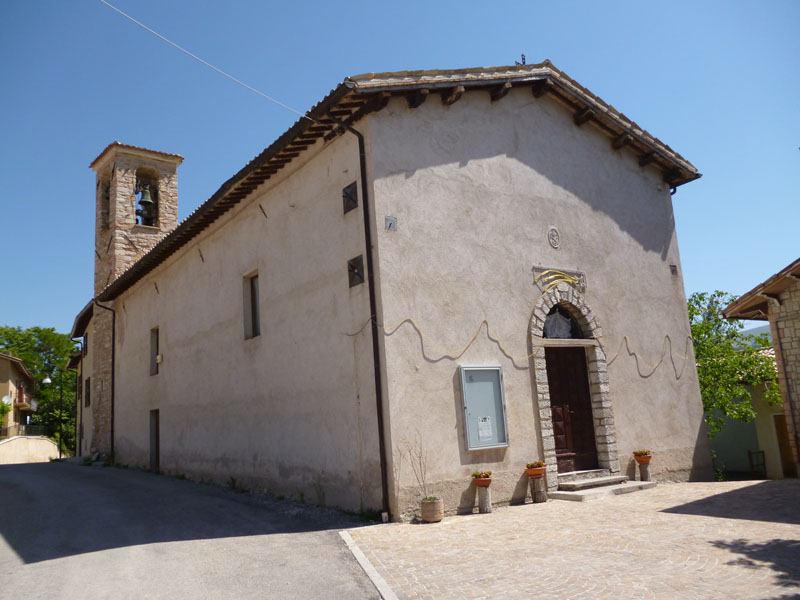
{"x":209,"y":65}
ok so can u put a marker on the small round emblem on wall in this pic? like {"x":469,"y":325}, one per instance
{"x":553,"y":237}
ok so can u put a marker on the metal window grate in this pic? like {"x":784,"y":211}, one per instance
{"x":350,"y":198}
{"x":355,"y":270}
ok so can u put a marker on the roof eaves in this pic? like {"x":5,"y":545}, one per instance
{"x":82,"y":320}
{"x":74,"y":360}
{"x":20,"y":364}
{"x":752,"y":302}
{"x":489,"y":76}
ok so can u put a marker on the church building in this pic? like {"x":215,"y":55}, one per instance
{"x":456,"y":270}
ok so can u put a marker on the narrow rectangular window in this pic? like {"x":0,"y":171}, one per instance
{"x":87,"y":392}
{"x":154,"y":355}
{"x":252,"y":318}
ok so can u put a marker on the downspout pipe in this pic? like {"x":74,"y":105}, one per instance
{"x":113,"y":364}
{"x":376,"y":356}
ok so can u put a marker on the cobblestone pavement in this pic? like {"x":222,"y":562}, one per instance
{"x":686,"y":540}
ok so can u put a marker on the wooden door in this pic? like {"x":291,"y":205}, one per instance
{"x":571,"y":404}
{"x":155,"y":442}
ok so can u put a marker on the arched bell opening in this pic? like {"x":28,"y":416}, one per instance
{"x":146,"y":191}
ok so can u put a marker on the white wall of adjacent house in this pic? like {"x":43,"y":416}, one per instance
{"x":291,"y":410}
{"x":474,"y":188}
{"x":27,"y":449}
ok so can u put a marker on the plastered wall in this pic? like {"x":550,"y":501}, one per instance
{"x":291,"y":411}
{"x":23,"y":449}
{"x":475,"y":187}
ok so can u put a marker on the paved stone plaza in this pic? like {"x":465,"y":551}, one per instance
{"x":687,"y":540}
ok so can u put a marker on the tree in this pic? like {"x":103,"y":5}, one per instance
{"x":45,"y":352}
{"x":729,"y":363}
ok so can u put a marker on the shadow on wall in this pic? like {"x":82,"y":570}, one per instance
{"x":771,"y":501}
{"x":781,"y":556}
{"x":78,"y":510}
{"x":702,"y":465}
{"x":701,"y":468}
{"x":550,"y":144}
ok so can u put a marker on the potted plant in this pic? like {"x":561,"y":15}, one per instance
{"x":482,"y":478}
{"x":643,"y":456}
{"x":535,"y":468}
{"x":431,"y":507}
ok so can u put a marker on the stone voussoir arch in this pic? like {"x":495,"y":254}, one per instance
{"x":570,"y":299}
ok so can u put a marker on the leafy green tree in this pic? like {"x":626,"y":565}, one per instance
{"x":45,"y":352}
{"x":729,"y":363}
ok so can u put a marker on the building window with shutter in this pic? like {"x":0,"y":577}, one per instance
{"x":155,"y":357}
{"x":252,"y":317}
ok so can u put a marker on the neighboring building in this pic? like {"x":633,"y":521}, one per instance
{"x":476,"y":266}
{"x":777,"y":300}
{"x":81,"y":364}
{"x":16,"y":391}
{"x":757,"y":448}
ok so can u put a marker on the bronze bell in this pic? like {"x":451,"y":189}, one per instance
{"x":146,"y":202}
{"x":146,"y":213}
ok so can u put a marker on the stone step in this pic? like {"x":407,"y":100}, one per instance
{"x":601,"y":492}
{"x":583,"y":484}
{"x":580,"y":475}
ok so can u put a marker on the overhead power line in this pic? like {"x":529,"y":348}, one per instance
{"x":208,"y":64}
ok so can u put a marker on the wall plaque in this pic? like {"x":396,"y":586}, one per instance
{"x":554,"y":237}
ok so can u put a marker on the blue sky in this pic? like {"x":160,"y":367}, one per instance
{"x":717,"y":81}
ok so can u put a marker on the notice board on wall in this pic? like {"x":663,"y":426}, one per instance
{"x":485,"y":423}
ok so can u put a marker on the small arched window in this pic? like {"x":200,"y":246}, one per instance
{"x":560,"y":325}
{"x":105,"y":204}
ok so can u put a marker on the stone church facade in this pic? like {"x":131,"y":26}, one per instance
{"x":470,"y":269}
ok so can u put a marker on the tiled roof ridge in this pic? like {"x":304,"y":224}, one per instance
{"x":116,"y":144}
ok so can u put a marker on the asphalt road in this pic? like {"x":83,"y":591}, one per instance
{"x":68,"y":531}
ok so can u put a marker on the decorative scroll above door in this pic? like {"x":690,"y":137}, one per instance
{"x":548,"y":277}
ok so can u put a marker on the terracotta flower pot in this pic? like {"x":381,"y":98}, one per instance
{"x":432,"y":510}
{"x":483,"y":481}
{"x":535,"y":471}
{"x":643,"y":459}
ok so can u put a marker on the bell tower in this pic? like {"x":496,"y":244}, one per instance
{"x":137,"y":205}
{"x":136,"y":199}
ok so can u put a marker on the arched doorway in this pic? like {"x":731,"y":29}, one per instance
{"x":570,"y":397}
{"x":571,"y":379}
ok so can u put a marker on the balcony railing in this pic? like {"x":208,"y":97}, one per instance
{"x":32,"y":430}
{"x":23,"y":401}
